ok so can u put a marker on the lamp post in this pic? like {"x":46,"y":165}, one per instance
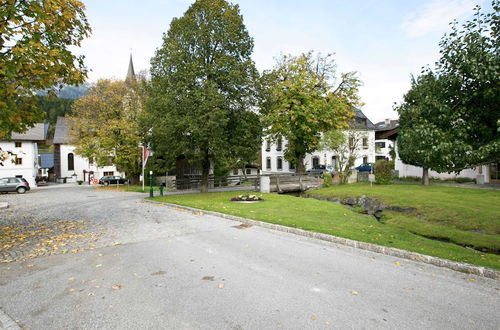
{"x":151,"y":184}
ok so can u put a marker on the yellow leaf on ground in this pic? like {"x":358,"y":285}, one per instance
{"x":313,"y":317}
{"x":354,"y":292}
{"x":221,"y":286}
{"x":116,"y":287}
{"x":397,"y":263}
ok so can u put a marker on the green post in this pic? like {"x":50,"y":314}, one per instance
{"x":151,"y":184}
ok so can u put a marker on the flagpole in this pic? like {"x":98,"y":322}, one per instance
{"x":143,"y":168}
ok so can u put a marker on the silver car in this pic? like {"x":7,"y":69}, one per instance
{"x":18,"y":185}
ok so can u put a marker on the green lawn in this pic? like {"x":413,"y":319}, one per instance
{"x":332,"y":218}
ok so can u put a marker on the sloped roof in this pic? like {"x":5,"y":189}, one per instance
{"x":387,"y":125}
{"x":61,"y":135}
{"x":361,"y":115}
{"x":36,"y":133}
{"x":46,"y":159}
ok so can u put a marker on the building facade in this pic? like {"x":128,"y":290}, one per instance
{"x":24,"y":147}
{"x":273,"y":152}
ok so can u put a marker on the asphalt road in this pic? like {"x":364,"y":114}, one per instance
{"x":156,"y":267}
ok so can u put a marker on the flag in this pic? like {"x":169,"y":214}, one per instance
{"x":145,"y":155}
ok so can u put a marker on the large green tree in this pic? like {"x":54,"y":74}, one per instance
{"x":302,"y":98}
{"x":35,"y":41}
{"x":449,"y":117}
{"x":203,"y":96}
{"x":106,"y":125}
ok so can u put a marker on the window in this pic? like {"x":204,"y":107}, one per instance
{"x":235,"y":171}
{"x":334,"y":161}
{"x":109,"y":173}
{"x":19,"y":161}
{"x":291,"y":166}
{"x":268,"y":163}
{"x":71,"y":162}
{"x":379,"y":158}
{"x":248,"y":171}
{"x":18,"y":144}
{"x":279,"y":163}
{"x":315,"y":162}
{"x":365,"y":160}
{"x":279,"y":146}
{"x":268,"y":145}
{"x":379,"y":145}
{"x":365,"y":143}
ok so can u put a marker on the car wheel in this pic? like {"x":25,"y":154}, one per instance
{"x":106,"y":183}
{"x":21,"y":190}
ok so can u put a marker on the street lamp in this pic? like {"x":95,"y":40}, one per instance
{"x":151,"y":184}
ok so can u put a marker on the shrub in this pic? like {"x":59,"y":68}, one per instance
{"x":383,"y":172}
{"x":79,"y":182}
{"x":327,"y":179}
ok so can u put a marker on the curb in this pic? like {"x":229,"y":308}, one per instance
{"x":7,"y":323}
{"x":4,"y":205}
{"x":414,"y":256}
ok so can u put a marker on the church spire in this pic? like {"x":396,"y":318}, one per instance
{"x":130,"y":72}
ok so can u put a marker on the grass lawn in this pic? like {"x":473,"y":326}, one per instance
{"x":332,"y":218}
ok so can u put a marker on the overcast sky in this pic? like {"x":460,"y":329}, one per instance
{"x":384,"y":40}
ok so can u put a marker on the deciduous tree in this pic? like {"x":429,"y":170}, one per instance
{"x":449,"y":117}
{"x":203,"y":96}
{"x":301,"y":98}
{"x":35,"y":41}
{"x":106,"y":125}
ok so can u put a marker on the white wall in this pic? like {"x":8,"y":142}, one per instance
{"x":325,"y":155}
{"x":29,"y":168}
{"x":81,"y":164}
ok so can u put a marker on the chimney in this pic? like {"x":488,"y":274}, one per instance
{"x":387,"y":122}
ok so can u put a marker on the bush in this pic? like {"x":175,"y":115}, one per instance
{"x":79,"y":182}
{"x":383,"y":172}
{"x":327,"y":179}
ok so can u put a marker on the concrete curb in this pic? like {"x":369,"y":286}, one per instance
{"x":454,"y":265}
{"x":7,"y":323}
{"x":4,"y":205}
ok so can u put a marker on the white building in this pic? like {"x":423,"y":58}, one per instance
{"x":24,"y":162}
{"x":68,"y":165}
{"x":387,"y":131}
{"x":273,"y":153}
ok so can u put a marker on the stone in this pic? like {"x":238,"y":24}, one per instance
{"x":4,"y":205}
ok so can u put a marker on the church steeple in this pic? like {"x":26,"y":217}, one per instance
{"x":130,"y":72}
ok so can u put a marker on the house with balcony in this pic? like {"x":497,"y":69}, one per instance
{"x":386,"y":133}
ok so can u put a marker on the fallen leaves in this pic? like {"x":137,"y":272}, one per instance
{"x":221,"y":286}
{"x":397,"y":263}
{"x":354,"y":292}
{"x":116,"y":287}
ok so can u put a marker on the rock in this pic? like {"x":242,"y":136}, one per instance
{"x":349,"y":201}
{"x":4,"y":205}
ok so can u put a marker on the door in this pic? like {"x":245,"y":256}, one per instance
{"x":12,"y":184}
{"x":3,"y":185}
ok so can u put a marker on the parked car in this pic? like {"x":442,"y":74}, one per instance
{"x":320,"y":169}
{"x":111,"y":179}
{"x":366,"y":167}
{"x":18,"y":185}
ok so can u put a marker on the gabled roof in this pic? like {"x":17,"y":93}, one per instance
{"x":360,"y":116}
{"x":46,"y":159}
{"x":61,"y":135}
{"x":387,"y":124}
{"x":36,"y":133}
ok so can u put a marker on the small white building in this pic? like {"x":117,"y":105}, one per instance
{"x":68,"y":165}
{"x":387,"y":131}
{"x":273,"y":153}
{"x":24,"y":147}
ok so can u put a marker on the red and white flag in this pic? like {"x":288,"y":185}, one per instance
{"x":145,"y":155}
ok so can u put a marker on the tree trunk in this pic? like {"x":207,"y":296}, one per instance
{"x":425,"y":176}
{"x":205,"y":171}
{"x":301,"y":168}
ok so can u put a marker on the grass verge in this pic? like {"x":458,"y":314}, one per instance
{"x":331,"y":218}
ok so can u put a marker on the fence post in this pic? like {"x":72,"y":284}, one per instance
{"x":300,"y":183}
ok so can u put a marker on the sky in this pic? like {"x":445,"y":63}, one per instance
{"x":385,"y":41}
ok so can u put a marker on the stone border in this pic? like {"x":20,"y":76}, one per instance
{"x":454,"y":265}
{"x":7,"y":323}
